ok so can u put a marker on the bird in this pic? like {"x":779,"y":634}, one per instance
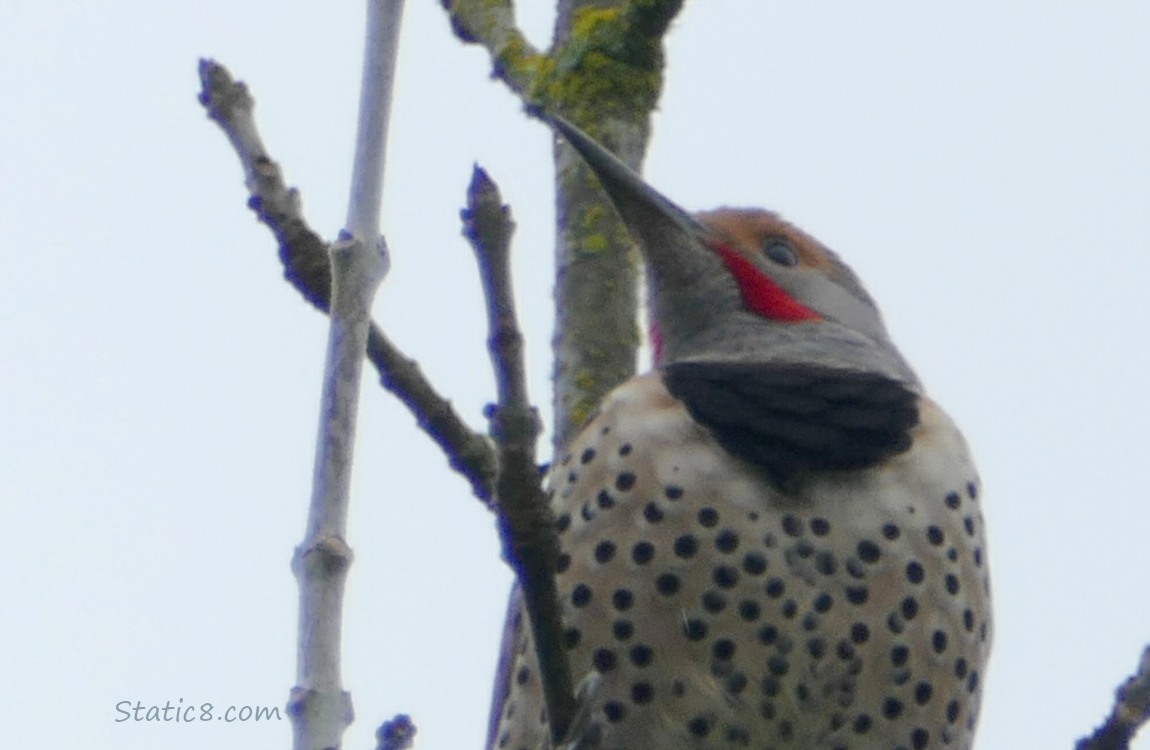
{"x":772,"y":540}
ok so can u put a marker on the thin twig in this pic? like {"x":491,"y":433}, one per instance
{"x":1131,"y":711}
{"x":307,"y":267}
{"x":530,"y":540}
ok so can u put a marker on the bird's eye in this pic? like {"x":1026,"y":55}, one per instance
{"x":780,"y":251}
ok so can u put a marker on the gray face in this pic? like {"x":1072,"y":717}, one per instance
{"x":717,"y":281}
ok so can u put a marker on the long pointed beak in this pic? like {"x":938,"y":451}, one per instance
{"x":650,"y":216}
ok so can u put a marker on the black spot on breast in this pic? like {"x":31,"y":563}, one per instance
{"x":604,"y":660}
{"x":642,"y":693}
{"x":754,"y":563}
{"x":622,"y":599}
{"x":700,"y":726}
{"x":727,"y":541}
{"x":695,"y":630}
{"x":713,"y":602}
{"x":581,"y":595}
{"x":641,"y":655}
{"x":686,"y":546}
{"x":868,"y":551}
{"x":725,"y":577}
{"x":723,"y":649}
{"x":668,"y":584}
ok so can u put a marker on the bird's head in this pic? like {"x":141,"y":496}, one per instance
{"x":742,"y":283}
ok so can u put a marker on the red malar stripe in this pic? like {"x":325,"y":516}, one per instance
{"x":762,"y":294}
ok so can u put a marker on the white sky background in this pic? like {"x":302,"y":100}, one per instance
{"x":986,"y":170}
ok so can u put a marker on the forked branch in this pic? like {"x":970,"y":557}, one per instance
{"x":307,"y":267}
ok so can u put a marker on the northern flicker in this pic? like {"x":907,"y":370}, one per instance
{"x":774,"y":539}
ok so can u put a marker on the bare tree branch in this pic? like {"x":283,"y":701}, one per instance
{"x":381,"y":43}
{"x":604,"y":72}
{"x":609,"y":74}
{"x":319,"y":706}
{"x":1131,"y":711}
{"x":530,"y":539}
{"x":307,"y":267}
{"x":491,"y":23}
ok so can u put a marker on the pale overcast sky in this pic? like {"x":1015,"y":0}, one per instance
{"x":984,"y":166}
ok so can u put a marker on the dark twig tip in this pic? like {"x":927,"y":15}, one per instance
{"x":397,"y":733}
{"x":1131,"y":711}
{"x":537,"y":110}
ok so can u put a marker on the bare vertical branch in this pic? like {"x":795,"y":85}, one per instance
{"x":612,"y":57}
{"x":381,"y":43}
{"x":320,"y":708}
{"x":530,"y":540}
{"x":604,"y":72}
